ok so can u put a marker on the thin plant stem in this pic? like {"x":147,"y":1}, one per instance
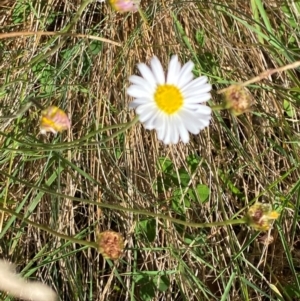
{"x":148,"y":213}
{"x":50,"y":231}
{"x":56,"y":33}
{"x":83,"y":141}
{"x":263,"y":75}
{"x":6,"y":190}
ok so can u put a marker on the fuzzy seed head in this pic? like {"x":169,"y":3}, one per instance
{"x":260,"y":216}
{"x":238,"y":99}
{"x":110,"y":244}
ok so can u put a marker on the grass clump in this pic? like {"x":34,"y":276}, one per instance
{"x":107,"y":174}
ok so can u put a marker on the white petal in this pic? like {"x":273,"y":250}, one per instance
{"x":168,"y":133}
{"x":138,"y":92}
{"x":185,"y":75}
{"x":146,"y":119}
{"x":197,"y":90}
{"x":150,"y":123}
{"x":197,"y":82}
{"x":178,"y":67}
{"x":179,"y":130}
{"x":175,"y":136}
{"x":198,"y":98}
{"x":203,"y":123}
{"x":158,"y":70}
{"x":173,"y":71}
{"x":161,"y":133}
{"x":191,"y":106}
{"x":171,"y":134}
{"x":139,"y":81}
{"x":184,"y":134}
{"x":145,"y":111}
{"x":161,"y":121}
{"x":183,"y":81}
{"x":161,"y":124}
{"x":147,"y":74}
{"x":175,"y":129}
{"x":205,"y":110}
{"x":137,"y":102}
{"x":190,"y":121}
{"x":205,"y":88}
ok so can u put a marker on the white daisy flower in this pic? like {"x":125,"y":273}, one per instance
{"x":172,"y":104}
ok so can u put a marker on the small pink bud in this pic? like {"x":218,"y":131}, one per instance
{"x":54,"y":120}
{"x":124,"y":5}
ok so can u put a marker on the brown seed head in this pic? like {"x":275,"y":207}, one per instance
{"x":260,"y":216}
{"x":237,"y":99}
{"x":110,"y":244}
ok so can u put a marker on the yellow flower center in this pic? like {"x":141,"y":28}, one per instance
{"x":168,"y":98}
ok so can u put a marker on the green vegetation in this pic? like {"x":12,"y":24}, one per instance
{"x":106,"y":174}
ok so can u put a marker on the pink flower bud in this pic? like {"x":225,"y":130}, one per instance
{"x":124,"y":5}
{"x":54,"y":120}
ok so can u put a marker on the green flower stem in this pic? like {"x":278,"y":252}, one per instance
{"x":218,"y":107}
{"x":143,"y":16}
{"x":124,"y":209}
{"x":171,"y":219}
{"x":125,"y":127}
{"x":12,"y":156}
{"x":50,"y":231}
{"x":131,"y":210}
{"x":75,"y":143}
{"x":23,"y":110}
{"x":83,"y":141}
{"x":36,"y":103}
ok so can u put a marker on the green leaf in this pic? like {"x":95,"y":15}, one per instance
{"x":193,"y":162}
{"x":177,"y":202}
{"x":229,"y":184}
{"x":95,"y":47}
{"x":9,"y":201}
{"x":45,"y":73}
{"x":180,"y":204}
{"x":165,"y":164}
{"x":289,"y":109}
{"x":292,"y":291}
{"x":158,"y":185}
{"x":148,"y":228}
{"x":200,"y":37}
{"x":176,"y":206}
{"x":146,"y":288}
{"x":201,"y":192}
{"x":187,"y":203}
{"x":162,"y":282}
{"x":183,"y":176}
{"x":20,"y":12}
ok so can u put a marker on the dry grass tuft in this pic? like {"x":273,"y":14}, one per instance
{"x":241,"y":159}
